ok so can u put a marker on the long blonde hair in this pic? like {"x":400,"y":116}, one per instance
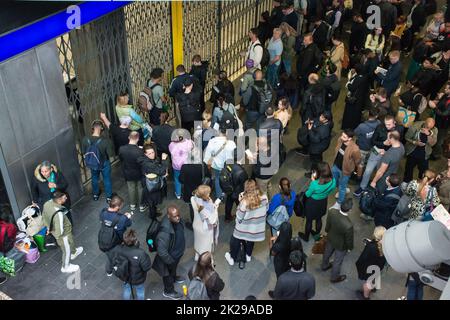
{"x":252,"y":194}
{"x":286,"y":28}
{"x":378,"y":234}
{"x":203,"y":192}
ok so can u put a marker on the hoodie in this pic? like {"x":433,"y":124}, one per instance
{"x":40,"y":191}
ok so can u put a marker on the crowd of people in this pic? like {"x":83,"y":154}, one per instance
{"x":299,"y":59}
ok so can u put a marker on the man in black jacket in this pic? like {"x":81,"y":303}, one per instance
{"x":385,"y":204}
{"x":270,"y":123}
{"x":252,"y":114}
{"x":177,"y":84}
{"x":388,"y":17}
{"x":162,"y":134}
{"x":313,"y":100}
{"x":417,"y":17}
{"x":321,"y":33}
{"x":358,"y":34}
{"x":309,"y":60}
{"x":380,"y":146}
{"x":139,"y":264}
{"x":295,"y":284}
{"x":129,"y":156}
{"x":189,"y":104}
{"x":199,"y":70}
{"x":170,"y":245}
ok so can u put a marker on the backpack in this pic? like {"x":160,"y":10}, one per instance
{"x":145,"y":100}
{"x":423,"y":103}
{"x":402,"y":210}
{"x":278,"y":216}
{"x":331,"y":17}
{"x":228,"y":121}
{"x":154,"y":184}
{"x":226,"y":179}
{"x":264,"y":97}
{"x":366,"y":202}
{"x":152,"y":232}
{"x":121,"y":267}
{"x":265,"y":59}
{"x":197,"y":290}
{"x":92,"y":157}
{"x":107,"y":235}
{"x":329,"y":32}
{"x":7,"y":242}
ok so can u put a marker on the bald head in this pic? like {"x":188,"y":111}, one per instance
{"x":173,"y":214}
{"x":313,"y":78}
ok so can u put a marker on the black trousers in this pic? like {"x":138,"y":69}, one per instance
{"x":170,"y":279}
{"x":235,"y":245}
{"x":189,"y":125}
{"x":308,"y":227}
{"x":229,"y":201}
{"x":411,"y":163}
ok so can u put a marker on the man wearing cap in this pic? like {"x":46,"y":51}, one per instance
{"x":189,"y":104}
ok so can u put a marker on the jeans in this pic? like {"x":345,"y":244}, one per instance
{"x":415,"y":290}
{"x":287,"y":66}
{"x":342,"y":182}
{"x":140,"y":291}
{"x":106,"y":174}
{"x":177,"y":183}
{"x":235,"y":245}
{"x":217,"y":188}
{"x":372,"y":163}
{"x":133,"y":192}
{"x":170,"y":279}
{"x":337,"y":262}
{"x":272,"y":75}
{"x":251,"y":118}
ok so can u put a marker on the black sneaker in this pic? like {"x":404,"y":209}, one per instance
{"x":173,"y":295}
{"x":358,"y":192}
{"x":179,"y":279}
{"x":95,"y":197}
{"x":3,"y":280}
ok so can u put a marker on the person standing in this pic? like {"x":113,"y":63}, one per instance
{"x":391,"y":79}
{"x":238,"y":178}
{"x":46,"y":180}
{"x":364,"y":133}
{"x":275,"y":48}
{"x":162,"y":134}
{"x":316,"y":201}
{"x":286,"y":197}
{"x":389,"y":163}
{"x":346,"y":161}
{"x":358,"y":34}
{"x":250,"y":222}
{"x":199,"y":70}
{"x":372,"y":255}
{"x":337,"y":53}
{"x":441,"y":107}
{"x":295,"y":284}
{"x":309,"y":60}
{"x":157,"y":98}
{"x":59,"y":226}
{"x":179,"y":148}
{"x":123,"y":109}
{"x":129,"y":156}
{"x":102,"y":147}
{"x":206,"y":221}
{"x":119,"y":133}
{"x":420,"y":139}
{"x":170,"y":244}
{"x":139,"y":264}
{"x":288,"y":38}
{"x":264,"y":168}
{"x":255,"y":49}
{"x":280,"y":248}
{"x":385,"y":204}
{"x":189,"y":104}
{"x":358,"y":87}
{"x":204,"y":270}
{"x":339,"y":230}
{"x":177,"y":85}
{"x":111,"y":217}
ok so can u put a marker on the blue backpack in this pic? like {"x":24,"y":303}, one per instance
{"x":278,"y":216}
{"x":92,"y":157}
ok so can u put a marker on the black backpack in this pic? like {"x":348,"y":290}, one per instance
{"x":152,"y":232}
{"x":107,"y":235}
{"x":226,"y":179}
{"x":228,"y":121}
{"x":366,"y":201}
{"x":121,"y":267}
{"x":265,"y":97}
{"x":265,"y":56}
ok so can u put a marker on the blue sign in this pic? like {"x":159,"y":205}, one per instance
{"x":30,"y":36}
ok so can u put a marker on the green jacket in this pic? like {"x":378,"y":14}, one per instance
{"x":126,"y":111}
{"x":412,"y":135}
{"x":61,"y":224}
{"x":288,"y":47}
{"x":339,"y":230}
{"x":320,"y":191}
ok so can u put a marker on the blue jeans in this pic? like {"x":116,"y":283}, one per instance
{"x":341,"y":181}
{"x":370,"y":167}
{"x":106,"y":174}
{"x":251,"y":117}
{"x":139,"y":289}
{"x":217,"y":188}
{"x":272,"y":75}
{"x":177,"y":183}
{"x":415,"y":291}
{"x":287,"y":66}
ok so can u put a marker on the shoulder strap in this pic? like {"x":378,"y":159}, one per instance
{"x":393,"y":196}
{"x":98,"y":141}
{"x":53,"y":217}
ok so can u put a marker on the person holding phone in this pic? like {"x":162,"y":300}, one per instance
{"x":151,"y":165}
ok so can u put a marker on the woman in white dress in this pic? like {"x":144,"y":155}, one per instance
{"x":206,"y":221}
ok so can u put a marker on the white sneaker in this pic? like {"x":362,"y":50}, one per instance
{"x":229,"y":259}
{"x":347,"y":191}
{"x":71,"y":268}
{"x":133,"y":208}
{"x":77,"y":253}
{"x":249,"y":258}
{"x":336,"y":206}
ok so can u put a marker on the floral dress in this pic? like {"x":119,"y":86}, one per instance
{"x":419,"y":206}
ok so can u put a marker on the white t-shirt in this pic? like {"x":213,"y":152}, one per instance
{"x":255,"y":52}
{"x":214,"y":145}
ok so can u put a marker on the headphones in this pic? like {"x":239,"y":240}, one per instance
{"x":97,"y":122}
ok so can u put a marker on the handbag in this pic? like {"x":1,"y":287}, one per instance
{"x":299,"y":204}
{"x":154,"y":182}
{"x":405,"y":117}
{"x":319,"y":246}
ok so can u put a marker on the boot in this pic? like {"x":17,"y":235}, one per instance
{"x":40,"y":242}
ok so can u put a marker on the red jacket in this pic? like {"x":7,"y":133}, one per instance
{"x":10,"y":230}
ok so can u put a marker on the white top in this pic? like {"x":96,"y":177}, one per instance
{"x":255,"y":52}
{"x":214,"y":145}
